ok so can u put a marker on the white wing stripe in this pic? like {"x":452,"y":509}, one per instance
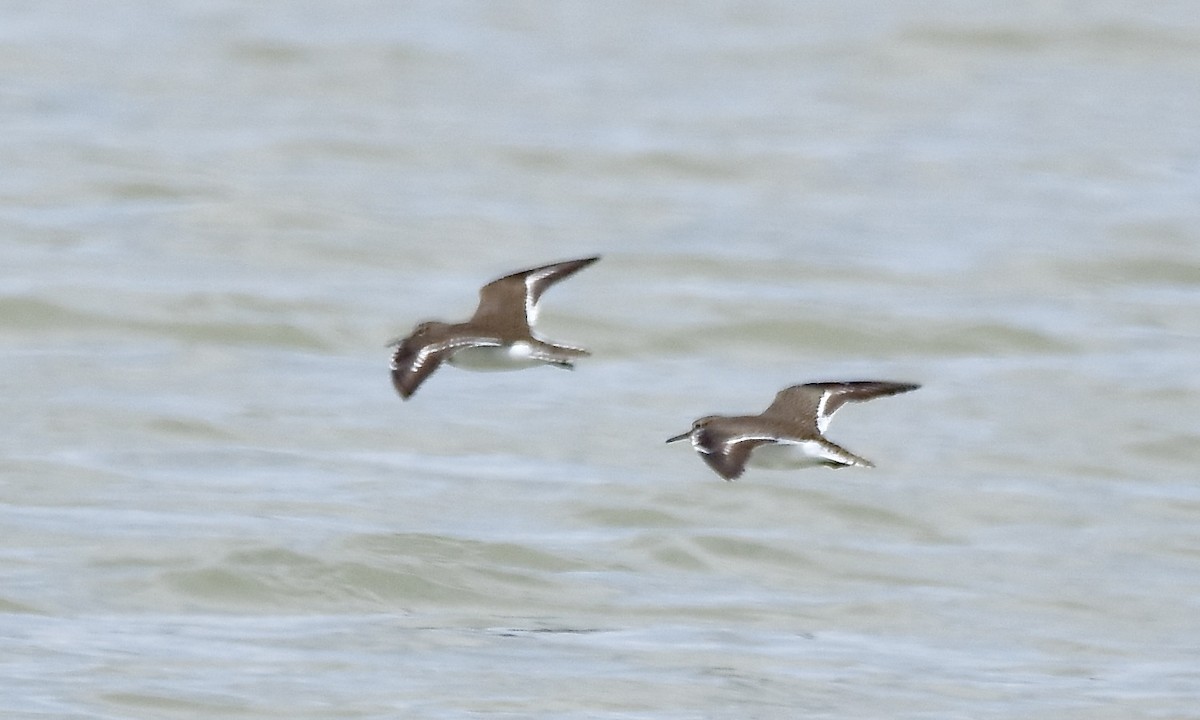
{"x":822,"y":416}
{"x":433,"y":348}
{"x":729,"y":442}
{"x":531,"y":307}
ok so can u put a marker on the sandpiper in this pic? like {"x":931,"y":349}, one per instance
{"x":789,"y":433}
{"x":499,"y":336}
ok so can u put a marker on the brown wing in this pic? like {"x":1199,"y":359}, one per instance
{"x":798,"y":404}
{"x":410,"y":368}
{"x":419,"y":354}
{"x":726,"y":452}
{"x":840,"y":393}
{"x":513,"y":299}
{"x":732,"y":463}
{"x":819,"y":401}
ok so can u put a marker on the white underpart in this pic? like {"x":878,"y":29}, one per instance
{"x":517,"y":356}
{"x":788,"y":454}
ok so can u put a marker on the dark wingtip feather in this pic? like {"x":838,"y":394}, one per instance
{"x":400,"y":382}
{"x":404,"y":379}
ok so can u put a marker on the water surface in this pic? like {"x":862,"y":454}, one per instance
{"x":215,"y":215}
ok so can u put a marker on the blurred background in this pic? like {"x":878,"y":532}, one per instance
{"x":215,"y":214}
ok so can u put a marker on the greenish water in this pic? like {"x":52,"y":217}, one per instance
{"x":214,"y":217}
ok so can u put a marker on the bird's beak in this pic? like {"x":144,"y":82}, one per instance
{"x":682,"y":436}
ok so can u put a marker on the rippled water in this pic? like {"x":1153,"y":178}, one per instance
{"x":216,"y":214}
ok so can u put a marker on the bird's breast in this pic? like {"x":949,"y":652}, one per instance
{"x":787,"y":455}
{"x":494,"y":357}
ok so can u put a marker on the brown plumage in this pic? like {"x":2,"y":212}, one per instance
{"x":499,"y":336}
{"x":789,"y":433}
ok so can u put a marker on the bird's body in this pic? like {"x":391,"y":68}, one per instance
{"x":488,"y":358}
{"x":499,"y":336}
{"x":790,"y":433}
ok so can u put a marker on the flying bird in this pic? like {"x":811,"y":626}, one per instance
{"x":788,"y":434}
{"x":499,"y":336}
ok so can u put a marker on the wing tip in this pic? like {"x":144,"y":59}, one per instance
{"x":404,"y":386}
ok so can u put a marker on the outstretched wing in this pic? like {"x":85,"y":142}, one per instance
{"x":726,"y":453}
{"x":415,"y":359}
{"x":819,"y":401}
{"x":798,"y":404}
{"x":513,"y":299}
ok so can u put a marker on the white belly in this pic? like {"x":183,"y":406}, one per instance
{"x":786,"y":456}
{"x":492,"y":357}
